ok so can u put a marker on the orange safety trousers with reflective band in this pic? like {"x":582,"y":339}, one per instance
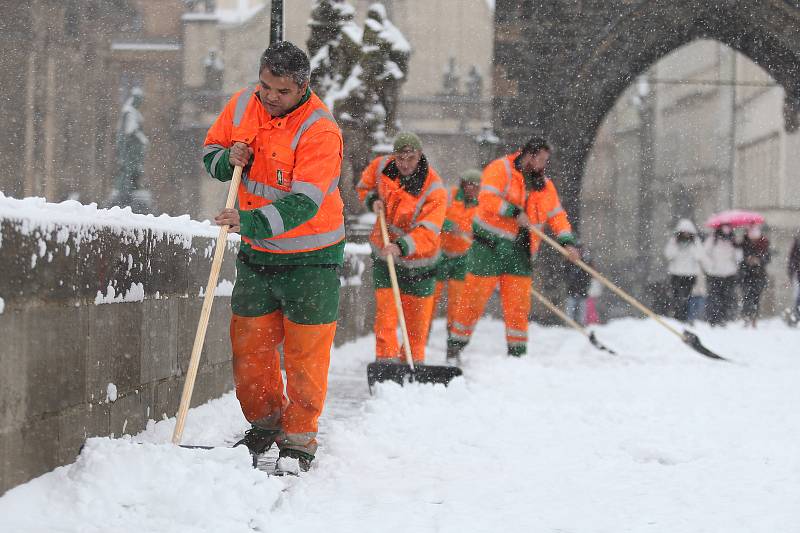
{"x":455,"y":288}
{"x":292,"y":154}
{"x":417,"y":311}
{"x":415,"y":219}
{"x":515,"y":298}
{"x":257,"y":375}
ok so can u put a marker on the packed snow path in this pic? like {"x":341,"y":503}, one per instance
{"x":569,"y":439}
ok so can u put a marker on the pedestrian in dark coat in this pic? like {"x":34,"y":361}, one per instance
{"x":753,"y":272}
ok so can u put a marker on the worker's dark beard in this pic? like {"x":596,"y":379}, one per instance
{"x":536,"y":179}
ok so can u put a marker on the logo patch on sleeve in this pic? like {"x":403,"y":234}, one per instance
{"x":280,"y":177}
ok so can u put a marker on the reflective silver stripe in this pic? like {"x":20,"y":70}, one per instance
{"x":503,"y":207}
{"x":214,"y":162}
{"x":241,"y":105}
{"x":419,"y":263}
{"x":315,"y":116}
{"x":564,"y":234}
{"x":429,"y":225}
{"x":457,"y":337}
{"x":306,"y":242}
{"x":463,"y":234}
{"x":310,"y":190}
{"x":304,"y":442}
{"x":274,"y":218}
{"x":507,"y":165}
{"x":435,"y":187}
{"x":491,"y":189}
{"x":519,"y":333}
{"x":462,"y":327}
{"x":211,"y":148}
{"x":411,"y":246}
{"x":334,"y":185}
{"x":395,"y":229}
{"x":452,"y":255}
{"x":263,"y":190}
{"x":522,"y":344}
{"x":554,"y":212}
{"x":381,"y":166}
{"x":497,"y":231}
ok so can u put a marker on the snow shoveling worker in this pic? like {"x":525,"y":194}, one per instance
{"x":291,"y":220}
{"x":515,"y":194}
{"x":456,"y":240}
{"x":414,"y":199}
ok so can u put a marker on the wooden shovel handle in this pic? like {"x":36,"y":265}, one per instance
{"x":208,"y":300}
{"x":398,"y":303}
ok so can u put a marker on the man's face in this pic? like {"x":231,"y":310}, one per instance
{"x":535,"y":162}
{"x":471,"y":189}
{"x":279,"y":93}
{"x":407,"y":161}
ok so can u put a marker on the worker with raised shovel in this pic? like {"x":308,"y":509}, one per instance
{"x":290,"y":217}
{"x":410,"y":200}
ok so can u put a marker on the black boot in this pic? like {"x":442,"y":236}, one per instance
{"x":258,"y":440}
{"x":292,"y":462}
{"x":454,"y":350}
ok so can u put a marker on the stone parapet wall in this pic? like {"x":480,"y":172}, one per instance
{"x":97,"y":322}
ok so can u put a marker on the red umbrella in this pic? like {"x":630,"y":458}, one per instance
{"x":734,"y":218}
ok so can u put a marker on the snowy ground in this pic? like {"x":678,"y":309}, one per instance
{"x":569,"y":439}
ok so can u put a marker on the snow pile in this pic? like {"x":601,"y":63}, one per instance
{"x":657,"y":439}
{"x":71,"y":218}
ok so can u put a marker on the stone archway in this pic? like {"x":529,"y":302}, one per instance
{"x":561,"y":65}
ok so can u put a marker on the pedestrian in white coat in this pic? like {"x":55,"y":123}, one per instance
{"x":721,"y":263}
{"x":684,"y":255}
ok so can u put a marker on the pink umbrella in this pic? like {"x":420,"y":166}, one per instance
{"x":734,"y":218}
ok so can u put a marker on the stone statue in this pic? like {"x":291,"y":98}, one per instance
{"x":131,"y":146}
{"x":474,"y":83}
{"x":214,"y":69}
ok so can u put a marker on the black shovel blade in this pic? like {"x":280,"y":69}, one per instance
{"x":381,"y":371}
{"x":600,"y":346}
{"x":694,"y":341}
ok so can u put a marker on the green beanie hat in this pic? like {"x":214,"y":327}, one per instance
{"x":407,"y":139}
{"x":472,"y":175}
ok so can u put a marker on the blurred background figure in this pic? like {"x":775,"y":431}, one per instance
{"x":793,"y":314}
{"x":697,"y":301}
{"x":131,"y":146}
{"x":721,"y":260}
{"x":753,"y":272}
{"x":593,"y":311}
{"x":684,"y":255}
{"x":578,"y":282}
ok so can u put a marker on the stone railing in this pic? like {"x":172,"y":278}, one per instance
{"x":98,"y":312}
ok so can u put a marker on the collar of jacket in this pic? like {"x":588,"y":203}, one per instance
{"x":281,"y":120}
{"x":413,"y":183}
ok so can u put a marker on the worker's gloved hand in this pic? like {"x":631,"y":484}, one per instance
{"x":230,"y":218}
{"x":377,"y":206}
{"x":573,"y":253}
{"x":392,"y":249}
{"x":523,"y":220}
{"x":240,"y":155}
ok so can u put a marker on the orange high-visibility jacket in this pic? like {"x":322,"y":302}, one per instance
{"x":503,"y":197}
{"x":457,"y":230}
{"x":299,"y":153}
{"x":544,"y":207}
{"x":414,"y":220}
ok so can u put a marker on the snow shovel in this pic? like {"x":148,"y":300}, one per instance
{"x":687,"y":336}
{"x":380,"y":371}
{"x":567,"y":320}
{"x":208,"y":299}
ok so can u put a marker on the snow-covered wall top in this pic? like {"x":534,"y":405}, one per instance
{"x":83,"y":254}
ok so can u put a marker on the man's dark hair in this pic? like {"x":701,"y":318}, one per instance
{"x":536,"y":144}
{"x":285,"y":59}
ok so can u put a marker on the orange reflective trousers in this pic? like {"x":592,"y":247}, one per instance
{"x":514,"y":296}
{"x":417,"y":311}
{"x":259,"y":384}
